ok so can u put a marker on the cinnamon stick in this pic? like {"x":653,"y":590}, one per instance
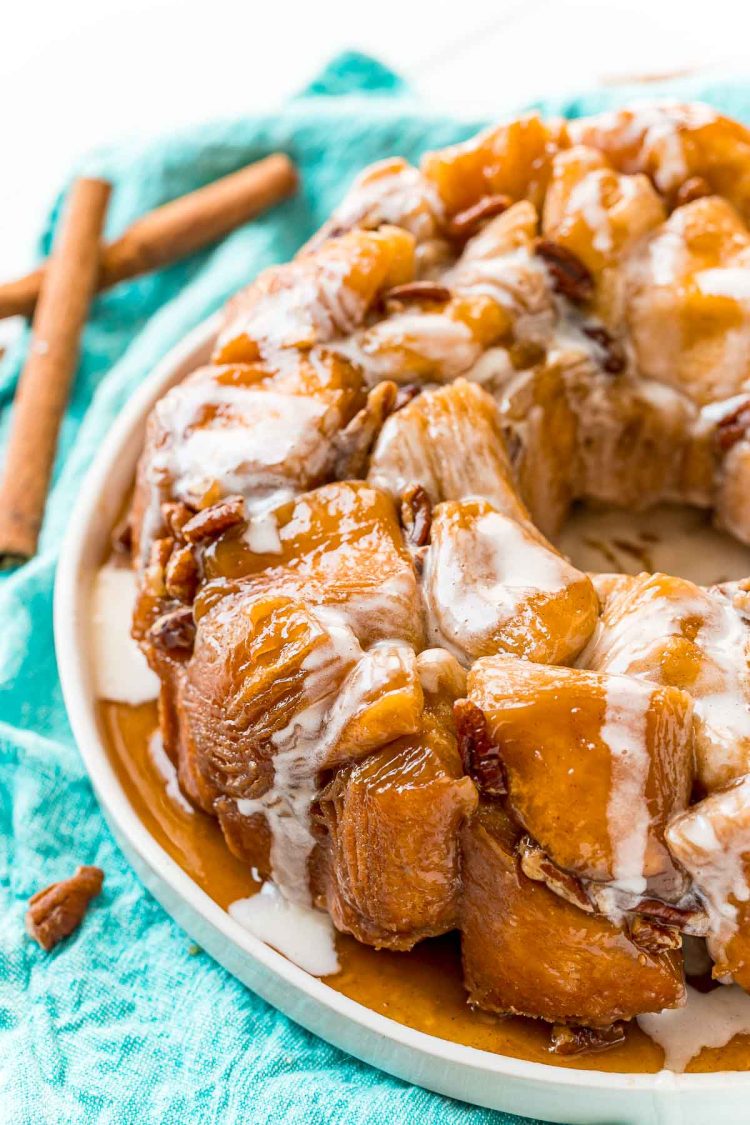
{"x":43,"y":389}
{"x":174,"y":230}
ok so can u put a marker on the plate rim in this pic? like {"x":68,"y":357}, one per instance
{"x":67,"y":614}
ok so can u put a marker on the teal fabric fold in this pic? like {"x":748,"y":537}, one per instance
{"x":126,"y":1021}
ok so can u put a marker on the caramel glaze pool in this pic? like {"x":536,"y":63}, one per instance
{"x":422,"y":989}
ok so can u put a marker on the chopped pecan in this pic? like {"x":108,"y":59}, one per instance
{"x":570,"y":277}
{"x":613,"y":356}
{"x":153,"y":580}
{"x":733,"y":427}
{"x":57,"y":910}
{"x":536,"y":865}
{"x":416,"y":515}
{"x":181,"y":575}
{"x":525,"y":353}
{"x":571,"y":1040}
{"x":353,"y":444}
{"x":419,"y":554}
{"x":467,"y":222}
{"x":215,"y":520}
{"x":174,"y":631}
{"x":418,"y":291}
{"x":406,"y":394}
{"x":479,"y":754}
{"x":513,"y":444}
{"x":653,"y":937}
{"x":690,"y":918}
{"x":694,"y":188}
{"x":175,"y":515}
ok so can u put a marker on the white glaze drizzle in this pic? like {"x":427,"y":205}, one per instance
{"x":478,"y":577}
{"x":121,"y":671}
{"x":305,"y":746}
{"x":262,"y":534}
{"x":721,"y":693}
{"x":305,"y":936}
{"x":444,"y":345}
{"x":400,"y":195}
{"x":259,"y":442}
{"x":712,"y":841}
{"x":628,"y":821}
{"x":436,"y":668}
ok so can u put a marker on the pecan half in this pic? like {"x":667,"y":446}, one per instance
{"x":406,"y":394}
{"x":690,"y":919}
{"x":175,"y":515}
{"x":613,"y":355}
{"x":467,"y":222}
{"x":181,"y":575}
{"x":653,"y":937}
{"x":734,"y":427}
{"x":416,"y":515}
{"x":536,"y":865}
{"x":353,"y":444}
{"x":174,"y":631}
{"x":214,"y":521}
{"x":570,"y":277}
{"x":479,"y":754}
{"x":153,"y":579}
{"x":566,"y":1040}
{"x":418,"y":291}
{"x":57,"y":910}
{"x":525,"y":353}
{"x":694,"y":188}
{"x":513,"y":444}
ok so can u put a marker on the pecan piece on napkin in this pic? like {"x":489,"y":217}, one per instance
{"x":57,"y":910}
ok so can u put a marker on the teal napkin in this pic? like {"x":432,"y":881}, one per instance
{"x":125,"y":1022}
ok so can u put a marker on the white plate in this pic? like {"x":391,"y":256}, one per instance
{"x":534,"y":1089}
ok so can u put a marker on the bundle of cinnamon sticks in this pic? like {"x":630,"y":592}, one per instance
{"x":59,"y":295}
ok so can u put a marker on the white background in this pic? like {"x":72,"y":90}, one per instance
{"x":75,"y":73}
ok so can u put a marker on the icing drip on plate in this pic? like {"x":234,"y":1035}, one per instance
{"x":303,"y":935}
{"x":709,"y":1019}
{"x":122,"y":674}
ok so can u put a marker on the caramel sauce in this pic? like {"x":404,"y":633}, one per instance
{"x":422,"y":989}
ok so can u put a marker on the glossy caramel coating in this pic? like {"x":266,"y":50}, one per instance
{"x":599,"y":215}
{"x":528,"y":952}
{"x":512,"y":159}
{"x":339,"y":546}
{"x":393,"y":824}
{"x":673,"y":144}
{"x":546,"y":313}
{"x":712,"y":842}
{"x":672,"y":632}
{"x":450,"y":442}
{"x":315,"y":297}
{"x":686,"y":306}
{"x":552,"y":728}
{"x":493,"y":584}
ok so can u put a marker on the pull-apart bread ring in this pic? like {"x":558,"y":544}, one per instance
{"x":401,"y":702}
